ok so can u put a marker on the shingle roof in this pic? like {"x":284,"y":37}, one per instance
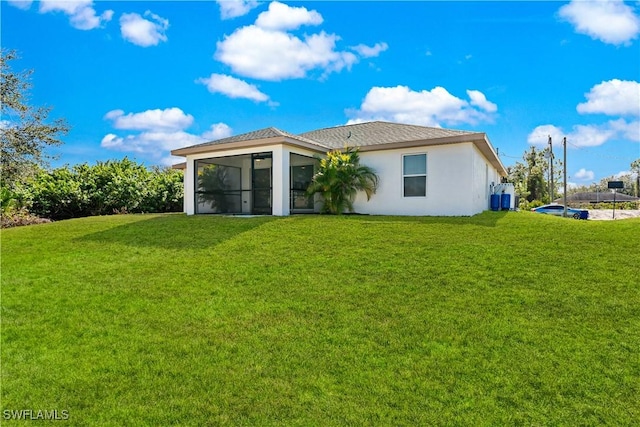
{"x":356,"y":135}
{"x":369,"y":134}
{"x":269,"y":132}
{"x":374,"y":133}
{"x":265,"y":133}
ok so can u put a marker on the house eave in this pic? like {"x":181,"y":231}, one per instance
{"x":256,"y":143}
{"x":478,"y":139}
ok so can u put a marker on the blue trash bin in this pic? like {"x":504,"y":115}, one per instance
{"x":505,"y":202}
{"x":495,"y":202}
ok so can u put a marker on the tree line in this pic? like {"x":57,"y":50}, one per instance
{"x":536,"y":186}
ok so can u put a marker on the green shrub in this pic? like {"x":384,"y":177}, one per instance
{"x":114,"y":186}
{"x":166,"y":191}
{"x":55,"y":194}
{"x":526,"y":205}
{"x":111,"y":187}
{"x":8,"y":199}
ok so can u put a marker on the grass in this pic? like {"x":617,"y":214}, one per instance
{"x":498,"y":319}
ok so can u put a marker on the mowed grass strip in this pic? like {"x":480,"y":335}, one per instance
{"x":497,"y":319}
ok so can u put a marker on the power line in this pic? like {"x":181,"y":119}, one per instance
{"x":606,"y":156}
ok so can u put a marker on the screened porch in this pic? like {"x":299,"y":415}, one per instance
{"x":244,"y":184}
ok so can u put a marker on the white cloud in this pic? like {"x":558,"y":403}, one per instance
{"x":626,"y":130}
{"x":235,"y":8}
{"x":611,"y":21}
{"x":169,"y":119}
{"x":427,"y":108}
{"x":21,"y":4}
{"x":217,"y":131}
{"x":107,"y":15}
{"x":274,"y":55}
{"x":370,"y":51}
{"x":232,"y":87}
{"x":68,"y":7}
{"x":162,"y":131}
{"x":268,"y":49}
{"x":540,"y":135}
{"x":584,"y":175}
{"x":283,"y":17}
{"x":81,"y":13}
{"x":622,"y":174}
{"x":150,"y":142}
{"x":613,"y":97}
{"x":579,"y":136}
{"x":479,"y":100}
{"x":143,"y":32}
{"x":590,"y":135}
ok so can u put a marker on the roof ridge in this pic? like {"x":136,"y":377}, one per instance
{"x":384,"y":122}
{"x":278,"y":130}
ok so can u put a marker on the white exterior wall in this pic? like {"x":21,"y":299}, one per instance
{"x":451,"y":173}
{"x":280,"y":200}
{"x":189,"y":187}
{"x":484,"y":176}
{"x":458,"y":180}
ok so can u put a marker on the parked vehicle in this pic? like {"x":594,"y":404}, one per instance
{"x":558,"y":210}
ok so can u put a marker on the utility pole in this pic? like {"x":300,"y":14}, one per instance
{"x":551,"y":170}
{"x":564,"y":145}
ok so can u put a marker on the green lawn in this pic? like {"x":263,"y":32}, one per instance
{"x":499,"y":319}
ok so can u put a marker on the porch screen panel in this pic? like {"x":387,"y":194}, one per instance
{"x":301,"y":177}
{"x":219,"y":188}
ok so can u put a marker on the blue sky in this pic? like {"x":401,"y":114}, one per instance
{"x":138,"y":79}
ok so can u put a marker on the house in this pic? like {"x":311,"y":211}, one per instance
{"x":422,"y":170}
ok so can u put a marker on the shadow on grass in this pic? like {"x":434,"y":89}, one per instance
{"x":484,"y":219}
{"x":177,"y":231}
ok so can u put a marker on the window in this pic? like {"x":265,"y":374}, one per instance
{"x":414,"y":173}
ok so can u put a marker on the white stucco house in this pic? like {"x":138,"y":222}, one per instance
{"x":422,"y":170}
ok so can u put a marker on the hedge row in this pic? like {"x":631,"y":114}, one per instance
{"x":121,"y":186}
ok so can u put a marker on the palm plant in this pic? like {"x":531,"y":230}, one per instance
{"x":339,"y":178}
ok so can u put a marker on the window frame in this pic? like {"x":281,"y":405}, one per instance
{"x":425,"y":174}
{"x":295,"y":192}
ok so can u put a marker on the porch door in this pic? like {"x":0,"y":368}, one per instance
{"x":301,"y":177}
{"x":261,"y":184}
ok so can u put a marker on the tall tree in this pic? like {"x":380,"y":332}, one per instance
{"x":25,"y":132}
{"x":339,"y":178}
{"x":531,"y":176}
